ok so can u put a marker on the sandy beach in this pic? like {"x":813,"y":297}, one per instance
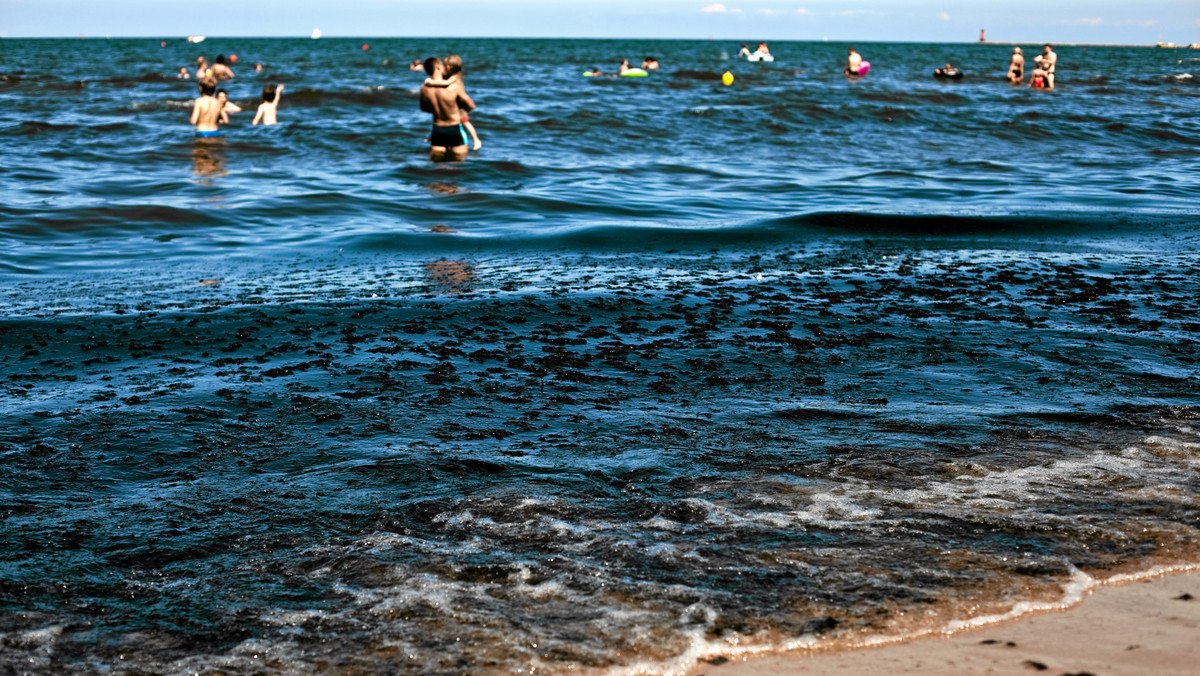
{"x":1148,"y":626}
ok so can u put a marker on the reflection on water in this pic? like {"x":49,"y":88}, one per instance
{"x":452,"y":276}
{"x":444,"y":188}
{"x":209,"y":157}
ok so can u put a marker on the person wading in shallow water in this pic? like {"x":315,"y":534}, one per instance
{"x":1016,"y":68}
{"x":1047,"y":61}
{"x":448,"y":139}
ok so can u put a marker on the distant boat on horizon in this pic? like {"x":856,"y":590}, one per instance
{"x":316,"y":33}
{"x":195,"y":38}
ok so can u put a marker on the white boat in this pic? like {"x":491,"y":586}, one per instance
{"x":195,"y":38}
{"x":316,"y":33}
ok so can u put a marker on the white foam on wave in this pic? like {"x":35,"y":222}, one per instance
{"x":1153,"y":463}
{"x":832,"y":509}
{"x":1075,"y":590}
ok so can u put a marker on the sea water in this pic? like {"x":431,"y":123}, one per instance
{"x":669,"y":369}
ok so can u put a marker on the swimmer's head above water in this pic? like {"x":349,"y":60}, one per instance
{"x":208,"y":85}
{"x":432,"y":65}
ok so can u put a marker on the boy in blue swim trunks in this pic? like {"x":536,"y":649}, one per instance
{"x":206,"y":111}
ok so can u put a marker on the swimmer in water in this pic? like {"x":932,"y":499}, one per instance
{"x":744,"y":51}
{"x":451,"y":74}
{"x":1038,"y":79}
{"x":624,"y":67}
{"x":649,"y":63}
{"x":226,"y":106}
{"x":266,"y":110}
{"x":1047,"y":61}
{"x":1016,"y":68}
{"x":448,"y":139}
{"x":183,"y":73}
{"x":853,"y":62}
{"x":206,"y":110}
{"x":220,"y":70}
{"x":947,"y":71}
{"x":416,"y":65}
{"x":202,"y":69}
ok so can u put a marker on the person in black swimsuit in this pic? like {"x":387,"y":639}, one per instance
{"x":1016,"y":69}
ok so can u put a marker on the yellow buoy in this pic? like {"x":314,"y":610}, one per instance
{"x":727,"y":78}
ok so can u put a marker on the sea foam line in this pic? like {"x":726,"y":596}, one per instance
{"x":1075,"y":591}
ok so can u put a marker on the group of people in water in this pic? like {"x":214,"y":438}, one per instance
{"x":1042,"y":76}
{"x":213,"y":107}
{"x":624,"y":68}
{"x":444,"y":96}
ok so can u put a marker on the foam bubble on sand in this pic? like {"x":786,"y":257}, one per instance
{"x":1073,"y":592}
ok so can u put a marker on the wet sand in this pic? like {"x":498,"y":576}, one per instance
{"x":1144,"y":627}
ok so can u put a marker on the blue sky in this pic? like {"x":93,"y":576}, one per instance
{"x":1103,"y":21}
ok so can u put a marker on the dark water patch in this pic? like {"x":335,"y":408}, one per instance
{"x":150,"y":78}
{"x":885,"y":96}
{"x":1175,"y":152}
{"x":34,"y":128}
{"x":1169,"y":135}
{"x":943,"y":98}
{"x":132,"y":189}
{"x":697,"y":75}
{"x":821,"y":112}
{"x":109,"y":221}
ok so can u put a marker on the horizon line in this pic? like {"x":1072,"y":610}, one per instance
{"x":569,"y":37}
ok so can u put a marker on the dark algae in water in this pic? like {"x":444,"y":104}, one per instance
{"x":584,"y":403}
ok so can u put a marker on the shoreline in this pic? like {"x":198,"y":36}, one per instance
{"x":1125,"y":625}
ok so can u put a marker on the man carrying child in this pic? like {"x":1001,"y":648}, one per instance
{"x":444,"y":97}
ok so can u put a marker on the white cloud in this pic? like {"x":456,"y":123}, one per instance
{"x":1091,"y":22}
{"x":768,"y":12}
{"x":803,"y":11}
{"x":944,"y":16}
{"x":858,"y":12}
{"x":715,"y":8}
